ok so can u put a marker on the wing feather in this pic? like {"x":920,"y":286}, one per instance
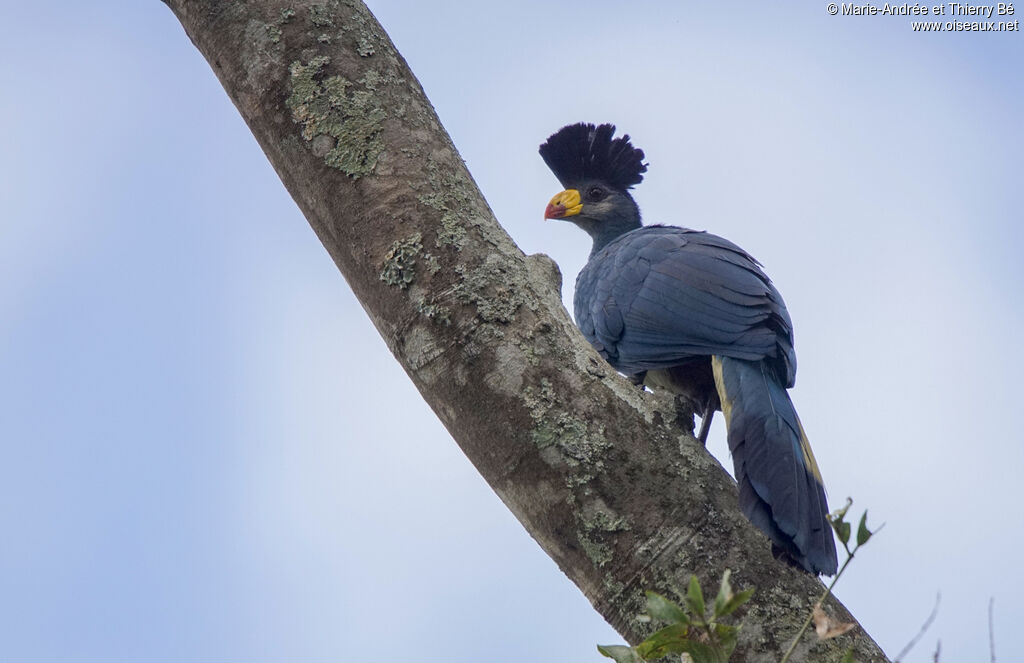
{"x":659,"y":295}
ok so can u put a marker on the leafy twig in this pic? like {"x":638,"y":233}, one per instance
{"x":690,"y":631}
{"x":842,"y":529}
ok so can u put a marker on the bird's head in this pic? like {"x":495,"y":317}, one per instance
{"x":597,"y":171}
{"x":592,"y":201}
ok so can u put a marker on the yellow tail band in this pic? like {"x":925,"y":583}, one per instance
{"x":805,"y":445}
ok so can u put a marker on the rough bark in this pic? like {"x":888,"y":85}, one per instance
{"x":603,"y":476}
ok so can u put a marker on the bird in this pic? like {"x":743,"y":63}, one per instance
{"x":692,"y":313}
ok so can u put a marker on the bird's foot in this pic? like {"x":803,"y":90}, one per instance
{"x":707,"y":414}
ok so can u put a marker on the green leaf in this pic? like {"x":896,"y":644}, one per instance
{"x":669,"y":640}
{"x":736,"y":601}
{"x":621,"y":653}
{"x":724,"y":594}
{"x":727,"y":636}
{"x":702,"y":653}
{"x":863,"y":533}
{"x":848,"y":656}
{"x":661,"y":608}
{"x":842,"y":528}
{"x":695,"y":599}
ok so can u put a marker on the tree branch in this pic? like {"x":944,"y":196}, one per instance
{"x":601,"y":475}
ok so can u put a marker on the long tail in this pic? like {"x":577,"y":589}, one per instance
{"x":780,"y":486}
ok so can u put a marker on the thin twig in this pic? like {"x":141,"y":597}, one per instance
{"x":991,"y":631}
{"x":920,"y":634}
{"x":938,"y":648}
{"x":828,"y":590}
{"x":820,"y":601}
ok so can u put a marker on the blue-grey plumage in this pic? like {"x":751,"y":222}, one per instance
{"x":780,"y":485}
{"x":692,"y":312}
{"x":659,"y":294}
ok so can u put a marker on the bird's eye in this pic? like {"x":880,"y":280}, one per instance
{"x":595,"y":193}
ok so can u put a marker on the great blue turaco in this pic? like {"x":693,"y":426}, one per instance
{"x":691,"y":312}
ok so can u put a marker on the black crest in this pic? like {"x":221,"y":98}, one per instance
{"x":583,"y":151}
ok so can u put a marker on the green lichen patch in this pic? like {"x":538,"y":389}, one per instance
{"x":602,"y":520}
{"x":488,"y":288}
{"x":320,"y":15}
{"x":263,"y":41}
{"x":450,"y":197}
{"x":263,"y":47}
{"x":261,"y":37}
{"x":400,"y":261}
{"x":374,"y":79}
{"x":435,"y":312}
{"x":597,"y":552}
{"x":433,"y":265}
{"x":565,"y":434}
{"x":451,"y":232}
{"x":365,"y":46}
{"x":564,"y":430}
{"x":530,"y":350}
{"x":326,"y":106}
{"x":287,"y":14}
{"x":366,"y":36}
{"x":596,"y":522}
{"x":614,"y":588}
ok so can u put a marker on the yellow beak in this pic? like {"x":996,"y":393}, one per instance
{"x":566,"y":203}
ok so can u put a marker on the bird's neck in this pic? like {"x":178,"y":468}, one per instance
{"x":608,"y":231}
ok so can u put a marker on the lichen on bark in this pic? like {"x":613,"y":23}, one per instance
{"x":325,"y":106}
{"x":399,"y":267}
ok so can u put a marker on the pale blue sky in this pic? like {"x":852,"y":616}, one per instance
{"x":207,"y":453}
